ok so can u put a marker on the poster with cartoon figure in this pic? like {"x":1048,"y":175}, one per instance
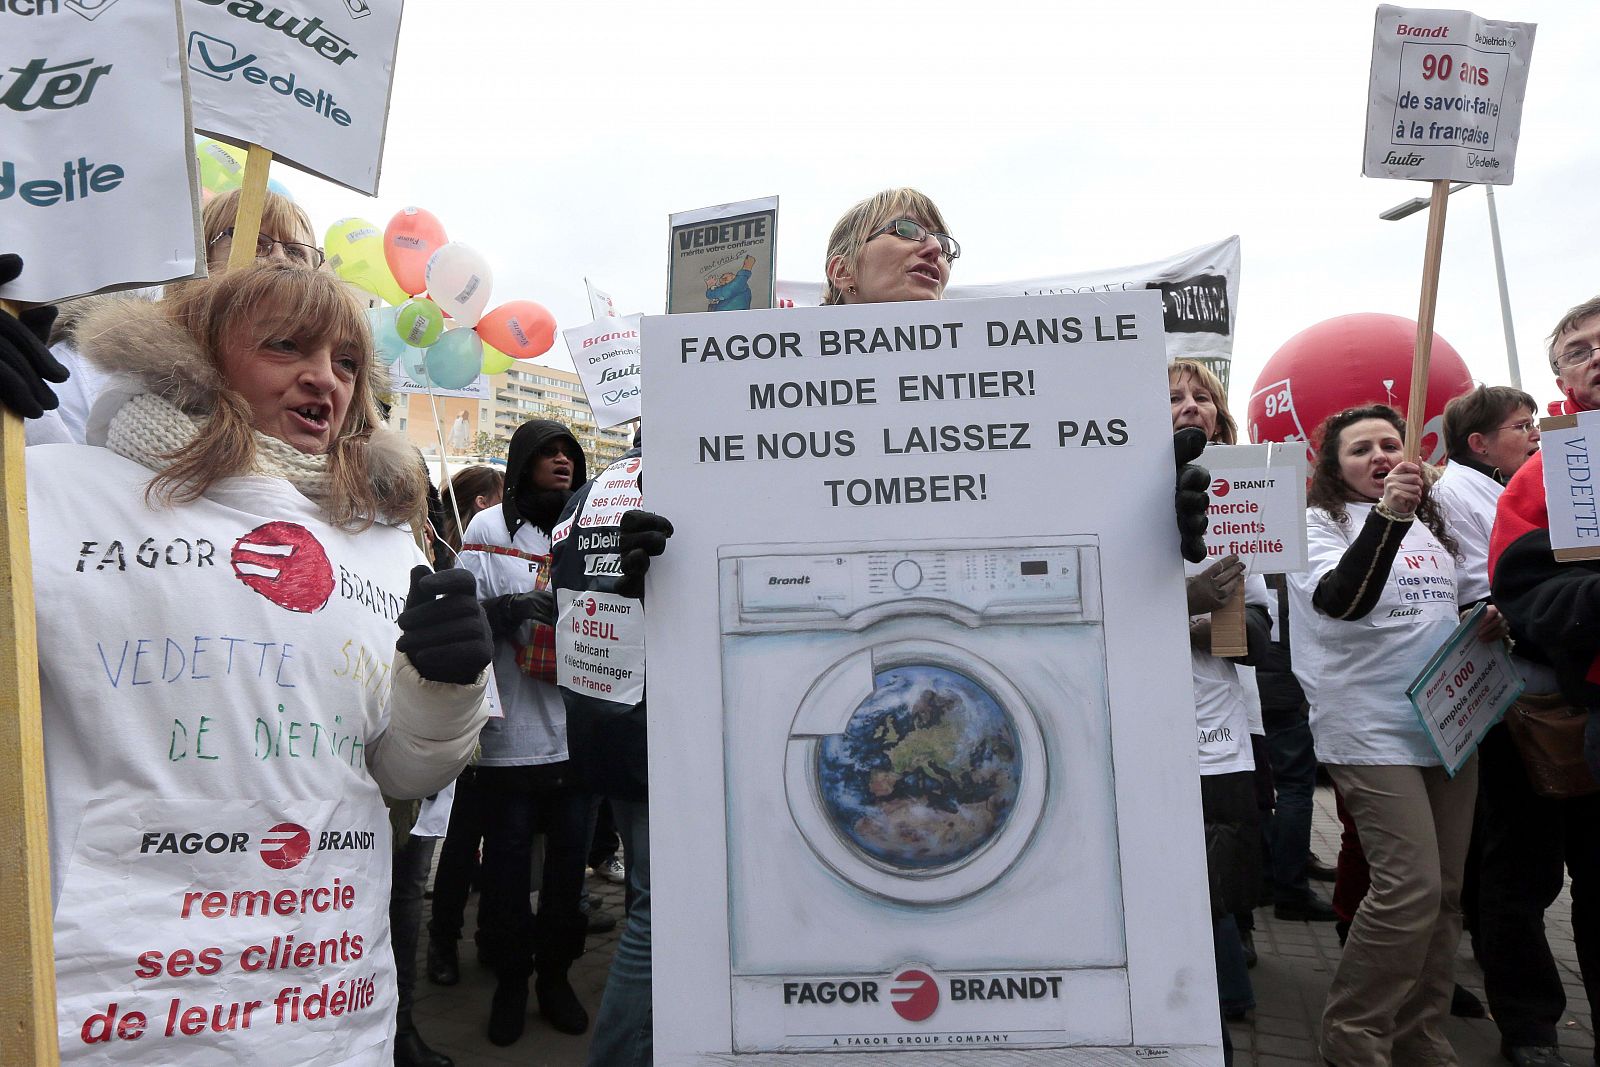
{"x":721,"y":258}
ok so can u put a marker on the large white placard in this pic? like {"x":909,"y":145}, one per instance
{"x":97,"y":184}
{"x":606,"y":353}
{"x":1258,"y":506}
{"x":920,"y":710}
{"x":1570,"y":444}
{"x":1199,"y":293}
{"x":1445,"y":99}
{"x":309,"y":81}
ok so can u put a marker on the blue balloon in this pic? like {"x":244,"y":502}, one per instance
{"x":414,"y":362}
{"x":385,"y":340}
{"x":281,"y":189}
{"x":455,"y":359}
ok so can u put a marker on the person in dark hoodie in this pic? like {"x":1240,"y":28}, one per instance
{"x":603,"y":550}
{"x":524,"y":778}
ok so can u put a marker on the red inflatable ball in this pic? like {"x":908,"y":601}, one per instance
{"x":1346,"y":362}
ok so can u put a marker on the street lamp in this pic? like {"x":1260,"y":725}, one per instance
{"x":1416,"y":204}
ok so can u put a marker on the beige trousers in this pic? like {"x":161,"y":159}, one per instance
{"x":1391,"y":992}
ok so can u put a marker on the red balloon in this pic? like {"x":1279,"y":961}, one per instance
{"x":1347,"y":362}
{"x":409,"y":239}
{"x":519,"y":328}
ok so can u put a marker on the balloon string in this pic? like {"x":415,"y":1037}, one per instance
{"x":444,"y":473}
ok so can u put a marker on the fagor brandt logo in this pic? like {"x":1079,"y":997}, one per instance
{"x":219,"y":59}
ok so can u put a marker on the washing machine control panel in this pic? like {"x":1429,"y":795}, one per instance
{"x":983,"y":580}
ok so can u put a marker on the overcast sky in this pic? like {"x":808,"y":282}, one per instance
{"x":1055,"y":136}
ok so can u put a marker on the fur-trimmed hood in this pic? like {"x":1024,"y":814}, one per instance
{"x":132,"y":339}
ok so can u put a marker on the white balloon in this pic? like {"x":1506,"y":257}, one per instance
{"x":459,"y":279}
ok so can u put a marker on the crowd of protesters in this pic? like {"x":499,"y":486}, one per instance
{"x":250,"y":398}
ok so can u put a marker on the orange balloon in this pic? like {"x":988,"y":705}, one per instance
{"x":408,"y":241}
{"x":519,"y":328}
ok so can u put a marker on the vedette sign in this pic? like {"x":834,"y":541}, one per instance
{"x":308,"y":80}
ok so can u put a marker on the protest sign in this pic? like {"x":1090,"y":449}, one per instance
{"x":1199,"y":294}
{"x":1464,"y":689}
{"x":1444,"y":102}
{"x":935,"y":558}
{"x":1258,"y":506}
{"x":311,"y":86}
{"x":1568,"y":443}
{"x":97,"y":185}
{"x":600,"y":645}
{"x":606,"y":353}
{"x":721,"y":258}
{"x":601,"y":306}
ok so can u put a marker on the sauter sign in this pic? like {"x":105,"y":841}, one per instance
{"x":310,"y":32}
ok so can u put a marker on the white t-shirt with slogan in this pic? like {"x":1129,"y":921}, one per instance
{"x":1355,"y":672}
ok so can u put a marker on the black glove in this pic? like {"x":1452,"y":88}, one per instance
{"x":508,"y":612}
{"x":644,"y":534}
{"x":1191,"y":498}
{"x":442,"y":629}
{"x":25,"y":360}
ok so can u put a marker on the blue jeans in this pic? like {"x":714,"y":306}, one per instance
{"x":623,"y":1033}
{"x":1294,"y":774}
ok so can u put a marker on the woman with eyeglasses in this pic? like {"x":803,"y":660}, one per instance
{"x":240,"y":645}
{"x":892,"y":246}
{"x":1378,"y":599}
{"x":286,"y":239}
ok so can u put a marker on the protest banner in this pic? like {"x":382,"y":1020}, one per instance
{"x":1444,"y":100}
{"x":1258,"y":513}
{"x":1464,"y":78}
{"x":1199,"y":294}
{"x":601,"y":306}
{"x":1463,"y":690}
{"x":310,"y":86}
{"x":722,"y":258}
{"x":938,"y":559}
{"x":1568,"y":443}
{"x":97,"y":185}
{"x":606,"y":353}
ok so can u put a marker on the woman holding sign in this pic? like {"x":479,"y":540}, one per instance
{"x":239,"y":647}
{"x":1227,"y":765}
{"x":1378,"y":599}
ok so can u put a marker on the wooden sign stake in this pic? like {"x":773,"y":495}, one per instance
{"x":1227,"y":628}
{"x":1417,"y":410}
{"x":28,"y":973}
{"x":252,"y":197}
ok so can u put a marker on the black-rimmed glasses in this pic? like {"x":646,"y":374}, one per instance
{"x":912,"y":230}
{"x":301,"y":255}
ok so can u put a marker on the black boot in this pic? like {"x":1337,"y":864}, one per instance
{"x":508,"y":1011}
{"x":559,"y":1004}
{"x":409,"y":1048}
{"x":444,"y":966}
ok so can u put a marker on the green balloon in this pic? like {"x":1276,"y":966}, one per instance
{"x":419,"y":322}
{"x":355,"y":253}
{"x":221,"y":165}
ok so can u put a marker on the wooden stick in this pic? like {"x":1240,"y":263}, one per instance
{"x":1227,"y":628}
{"x":252,"y":196}
{"x":1417,"y":410}
{"x":28,"y":973}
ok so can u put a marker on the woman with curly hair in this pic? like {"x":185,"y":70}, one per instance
{"x":1376,"y":602}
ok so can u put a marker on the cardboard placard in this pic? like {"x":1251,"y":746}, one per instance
{"x":1444,"y":101}
{"x":97,"y":181}
{"x":1258,"y":506}
{"x":310,"y":84}
{"x":942,"y":563}
{"x":1463,"y":690}
{"x":606,"y":354}
{"x":1569,"y":443}
{"x":722,"y":258}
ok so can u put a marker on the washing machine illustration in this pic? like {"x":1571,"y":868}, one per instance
{"x":918,"y":771}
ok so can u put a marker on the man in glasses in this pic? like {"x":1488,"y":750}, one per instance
{"x":1528,"y":837}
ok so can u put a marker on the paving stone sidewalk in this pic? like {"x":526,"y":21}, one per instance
{"x":1297,"y":961}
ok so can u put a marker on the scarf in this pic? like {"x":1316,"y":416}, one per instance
{"x":147,"y":429}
